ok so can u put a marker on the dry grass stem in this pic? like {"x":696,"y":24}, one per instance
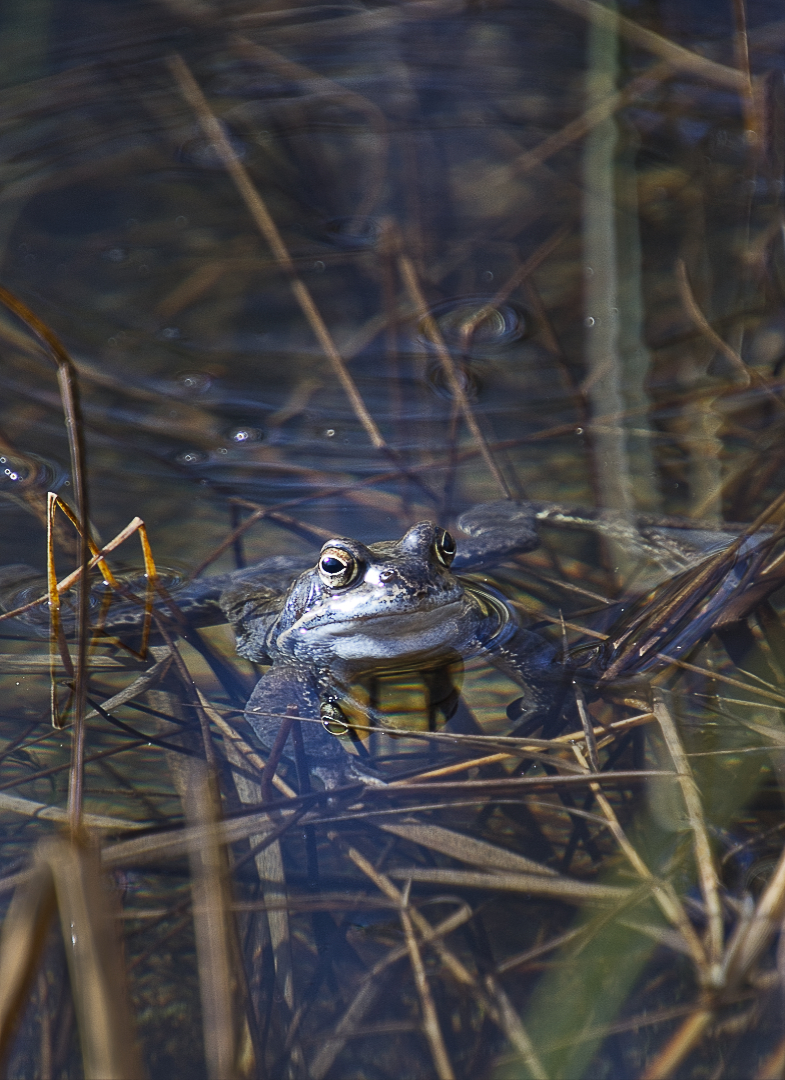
{"x":465,"y":848}
{"x":683,"y":1041}
{"x":89,"y":926}
{"x":664,"y":893}
{"x":430,"y":1019}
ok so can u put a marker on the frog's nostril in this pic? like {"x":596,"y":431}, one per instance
{"x":387,"y":575}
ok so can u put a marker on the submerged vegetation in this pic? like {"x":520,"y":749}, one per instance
{"x":290,"y":273}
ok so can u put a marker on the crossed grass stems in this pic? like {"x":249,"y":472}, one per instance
{"x":66,"y":875}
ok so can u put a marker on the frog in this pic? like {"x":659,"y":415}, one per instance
{"x":321,"y":622}
{"x":385,"y":606}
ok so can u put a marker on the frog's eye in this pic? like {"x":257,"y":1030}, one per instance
{"x":337,"y":567}
{"x":444,"y":547}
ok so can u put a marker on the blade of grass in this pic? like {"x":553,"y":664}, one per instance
{"x":704,"y":859}
{"x":209,"y":873}
{"x":25,"y":929}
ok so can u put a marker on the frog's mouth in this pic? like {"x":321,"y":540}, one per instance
{"x":388,"y":635}
{"x":390,"y":624}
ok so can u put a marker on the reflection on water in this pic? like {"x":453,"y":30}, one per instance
{"x":532,"y":176}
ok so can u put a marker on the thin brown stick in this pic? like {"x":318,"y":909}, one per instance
{"x":513,"y":1028}
{"x":255,"y":762}
{"x":581,"y":125}
{"x":513,"y":282}
{"x":212,"y":924}
{"x":267,"y":227}
{"x":588,"y":729}
{"x":682,"y":1042}
{"x":680,"y":59}
{"x":741,"y":54}
{"x":88,"y":920}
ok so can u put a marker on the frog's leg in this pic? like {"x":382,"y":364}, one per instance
{"x":290,"y":684}
{"x":494,"y":530}
{"x":538,"y":666}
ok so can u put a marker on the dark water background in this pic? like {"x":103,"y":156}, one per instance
{"x":372,"y":132}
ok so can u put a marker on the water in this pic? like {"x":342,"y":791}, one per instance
{"x":416,"y":160}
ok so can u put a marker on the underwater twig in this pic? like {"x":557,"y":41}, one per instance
{"x":702,"y":324}
{"x":430,"y":326}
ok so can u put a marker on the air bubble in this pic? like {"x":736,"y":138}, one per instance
{"x":26,"y":471}
{"x":243,"y":435}
{"x":192,"y":457}
{"x":194,"y":382}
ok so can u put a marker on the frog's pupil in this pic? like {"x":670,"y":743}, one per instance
{"x":448,"y":544}
{"x":331,"y":565}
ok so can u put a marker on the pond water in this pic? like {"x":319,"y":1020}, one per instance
{"x":328,"y":270}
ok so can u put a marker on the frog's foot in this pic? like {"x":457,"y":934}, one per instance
{"x":495,"y":530}
{"x":290,"y":686}
{"x":351,"y":770}
{"x":536,"y":665}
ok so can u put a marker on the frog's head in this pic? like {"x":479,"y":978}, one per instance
{"x":395,"y":601}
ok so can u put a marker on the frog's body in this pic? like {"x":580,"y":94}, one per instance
{"x":389,"y":605}
{"x":357,"y":609}
{"x":360,"y":609}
